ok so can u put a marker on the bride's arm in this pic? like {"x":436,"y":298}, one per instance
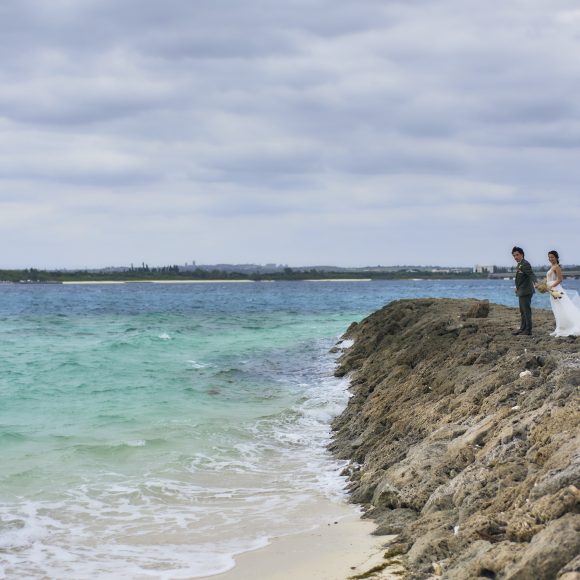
{"x":559,"y":277}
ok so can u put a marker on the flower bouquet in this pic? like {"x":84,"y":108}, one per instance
{"x":542,"y":288}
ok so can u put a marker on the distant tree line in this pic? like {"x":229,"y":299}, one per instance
{"x":173,"y":272}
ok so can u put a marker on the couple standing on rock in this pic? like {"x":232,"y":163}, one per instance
{"x":565,"y":305}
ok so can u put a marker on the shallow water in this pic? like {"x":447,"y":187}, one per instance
{"x":154,"y":431}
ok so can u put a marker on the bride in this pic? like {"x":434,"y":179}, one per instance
{"x":566,"y":308}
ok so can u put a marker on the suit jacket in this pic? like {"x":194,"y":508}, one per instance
{"x":525,"y":279}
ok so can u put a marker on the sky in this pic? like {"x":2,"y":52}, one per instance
{"x":300,"y":132}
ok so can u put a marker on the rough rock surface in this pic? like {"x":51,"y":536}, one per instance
{"x":464,"y":440}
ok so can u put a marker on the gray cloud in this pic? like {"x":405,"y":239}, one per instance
{"x":266,"y":131}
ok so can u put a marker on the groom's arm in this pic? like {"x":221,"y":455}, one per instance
{"x":528,"y":272}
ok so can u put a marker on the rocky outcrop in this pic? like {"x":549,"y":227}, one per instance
{"x":464,"y":440}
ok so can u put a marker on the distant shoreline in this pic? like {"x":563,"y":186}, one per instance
{"x":338,"y":280}
{"x":82,"y":280}
{"x":85,"y":282}
{"x":89,"y":282}
{"x":212,"y":281}
{"x":174,"y":275}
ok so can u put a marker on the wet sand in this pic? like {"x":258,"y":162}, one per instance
{"x":336,"y":550}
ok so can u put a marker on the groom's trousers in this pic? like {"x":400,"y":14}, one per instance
{"x":526,"y":312}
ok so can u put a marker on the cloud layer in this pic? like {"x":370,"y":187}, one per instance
{"x":300,"y":132}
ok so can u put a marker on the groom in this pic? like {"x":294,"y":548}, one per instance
{"x":525,"y":279}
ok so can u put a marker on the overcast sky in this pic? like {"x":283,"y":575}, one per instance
{"x":300,"y":132}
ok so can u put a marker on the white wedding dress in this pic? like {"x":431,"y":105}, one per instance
{"x":566,"y":309}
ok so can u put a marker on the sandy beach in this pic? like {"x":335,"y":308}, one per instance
{"x":336,"y":550}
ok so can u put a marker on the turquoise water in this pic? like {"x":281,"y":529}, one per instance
{"x":154,"y":431}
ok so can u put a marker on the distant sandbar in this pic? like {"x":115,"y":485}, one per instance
{"x":339,"y":280}
{"x":159,"y":282}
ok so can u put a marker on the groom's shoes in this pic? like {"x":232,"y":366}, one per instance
{"x":526,"y":333}
{"x":516,"y":332}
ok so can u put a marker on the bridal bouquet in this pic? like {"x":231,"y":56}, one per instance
{"x":542,"y":288}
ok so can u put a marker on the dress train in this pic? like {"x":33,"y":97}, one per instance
{"x":566,"y":309}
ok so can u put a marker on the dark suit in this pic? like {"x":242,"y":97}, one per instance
{"x":525,"y":279}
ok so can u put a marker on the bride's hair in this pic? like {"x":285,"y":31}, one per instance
{"x":555,"y":254}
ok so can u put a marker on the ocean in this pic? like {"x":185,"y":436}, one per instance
{"x":157,"y":430}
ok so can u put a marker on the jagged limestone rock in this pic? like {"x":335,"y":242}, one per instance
{"x":484,"y":465}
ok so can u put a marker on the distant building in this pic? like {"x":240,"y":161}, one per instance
{"x":479,"y":269}
{"x":189,"y":267}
